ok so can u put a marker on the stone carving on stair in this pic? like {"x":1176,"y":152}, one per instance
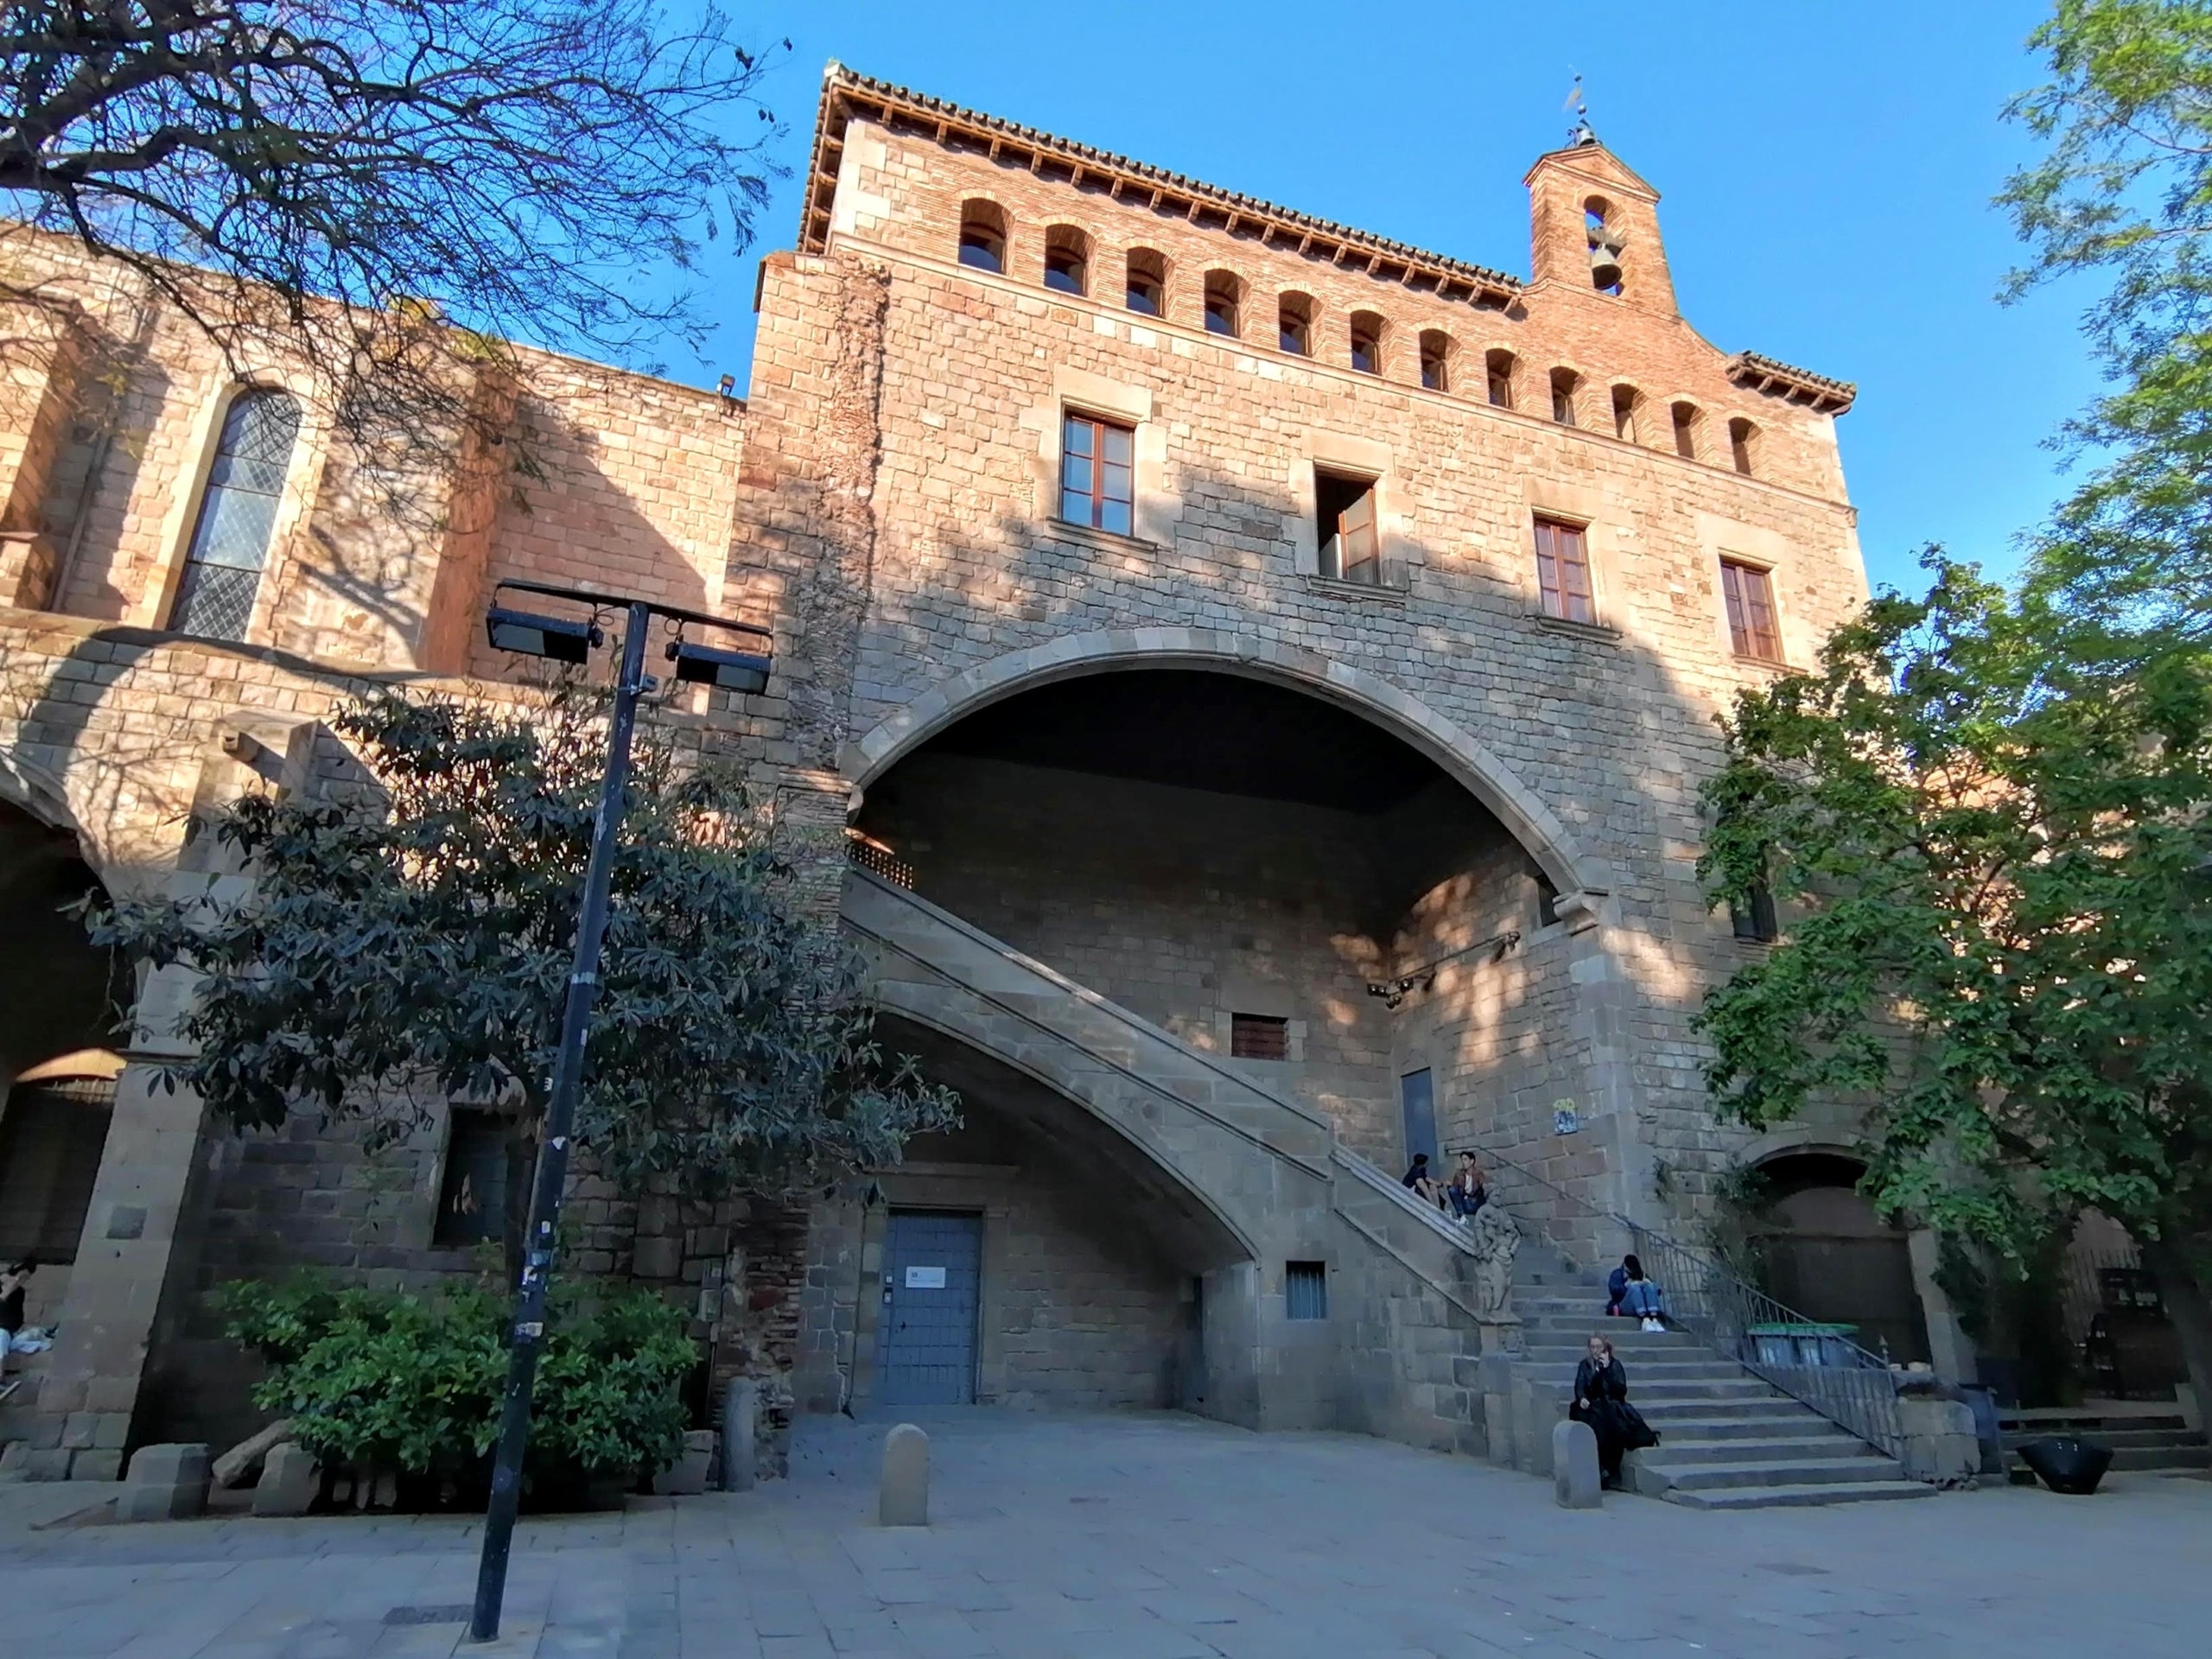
{"x":1495,"y":1241}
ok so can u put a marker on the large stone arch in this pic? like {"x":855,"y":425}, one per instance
{"x":1570,"y":867}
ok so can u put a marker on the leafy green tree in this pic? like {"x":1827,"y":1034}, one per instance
{"x":411,"y":946}
{"x":2123,"y":191}
{"x":1997,"y":869}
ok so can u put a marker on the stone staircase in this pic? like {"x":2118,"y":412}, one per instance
{"x":1414,"y":1361}
{"x":2143,"y":1442}
{"x":1728,"y":1440}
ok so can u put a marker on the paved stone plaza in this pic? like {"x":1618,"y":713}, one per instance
{"x":1151,"y":1537}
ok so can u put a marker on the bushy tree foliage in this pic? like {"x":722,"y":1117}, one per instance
{"x":2123,"y":191}
{"x":1989,"y":815}
{"x":412,"y":946}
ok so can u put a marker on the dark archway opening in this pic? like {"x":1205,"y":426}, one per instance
{"x":60,"y":1002}
{"x":1265,"y":874}
{"x":1829,"y":1256}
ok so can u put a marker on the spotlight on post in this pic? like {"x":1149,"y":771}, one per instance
{"x":564,"y":641}
{"x":556,"y":638}
{"x":732,"y":671}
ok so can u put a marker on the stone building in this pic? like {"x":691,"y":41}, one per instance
{"x":1261,"y":674}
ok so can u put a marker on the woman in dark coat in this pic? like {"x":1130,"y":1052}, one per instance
{"x":1601,"y":1400}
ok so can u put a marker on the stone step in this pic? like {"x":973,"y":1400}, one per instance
{"x":1801,"y":1496}
{"x":1663,"y":1474}
{"x":2142,"y":1459}
{"x":2119,"y":1438}
{"x":1771,"y":1446}
{"x":1689,"y":1362}
{"x":1626,"y":1338}
{"x":1738,"y":1387}
{"x":1696,"y":1423}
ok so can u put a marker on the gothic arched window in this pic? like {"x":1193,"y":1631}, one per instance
{"x":238,"y":511}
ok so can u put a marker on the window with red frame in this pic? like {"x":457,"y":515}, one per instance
{"x":1563,"y":571}
{"x":1096,"y":458}
{"x":1749,"y":595}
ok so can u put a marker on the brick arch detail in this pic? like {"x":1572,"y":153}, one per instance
{"x":1571,"y":868}
{"x":38,"y":792}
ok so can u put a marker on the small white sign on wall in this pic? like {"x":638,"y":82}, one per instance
{"x":925,"y":1278}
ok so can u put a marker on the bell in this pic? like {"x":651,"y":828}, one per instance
{"x":1604,"y":266}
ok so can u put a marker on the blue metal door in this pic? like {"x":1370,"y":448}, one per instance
{"x":1417,"y":1094}
{"x":935,"y":1265}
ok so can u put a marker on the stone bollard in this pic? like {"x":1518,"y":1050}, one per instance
{"x":165,"y":1482}
{"x":1575,"y":1481}
{"x":741,"y":1427}
{"x":290,"y":1478}
{"x":905,"y":1500}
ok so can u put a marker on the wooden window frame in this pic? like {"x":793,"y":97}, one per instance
{"x":1153,"y":282}
{"x":1559,"y":560}
{"x":1223,"y":296}
{"x":1095,"y":493}
{"x":1565,"y":384}
{"x":1367,"y":331}
{"x":1746,"y":590}
{"x":1349,"y":531}
{"x":1498,"y":378}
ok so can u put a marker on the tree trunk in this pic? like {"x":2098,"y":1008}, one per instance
{"x":2190,"y":1312}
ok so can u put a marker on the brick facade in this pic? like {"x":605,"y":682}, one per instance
{"x":886,"y":500}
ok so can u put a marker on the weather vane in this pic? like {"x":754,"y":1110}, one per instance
{"x":1581,"y":132}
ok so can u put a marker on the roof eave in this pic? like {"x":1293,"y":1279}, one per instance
{"x":845,"y":92}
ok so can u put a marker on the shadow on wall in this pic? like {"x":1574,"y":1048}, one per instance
{"x":1606,"y":732}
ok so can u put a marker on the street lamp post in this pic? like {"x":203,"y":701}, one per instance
{"x":562,"y":639}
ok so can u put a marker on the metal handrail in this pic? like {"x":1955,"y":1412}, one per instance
{"x":1853,"y":1389}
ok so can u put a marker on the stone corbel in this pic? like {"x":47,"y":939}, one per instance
{"x":1578,"y":910}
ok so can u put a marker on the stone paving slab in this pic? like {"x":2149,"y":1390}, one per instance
{"x":1143,"y":1537}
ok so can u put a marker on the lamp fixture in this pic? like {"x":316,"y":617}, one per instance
{"x":730,"y":671}
{"x":560,"y":639}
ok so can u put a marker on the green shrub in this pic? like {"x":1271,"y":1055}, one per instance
{"x":384,"y":1380}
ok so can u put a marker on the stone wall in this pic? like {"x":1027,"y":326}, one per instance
{"x":1080,"y":1309}
{"x":1609,"y":726}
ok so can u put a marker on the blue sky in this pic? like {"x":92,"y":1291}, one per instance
{"x":1826,"y":172}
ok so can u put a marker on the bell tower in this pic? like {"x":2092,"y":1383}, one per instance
{"x":1594,"y":227}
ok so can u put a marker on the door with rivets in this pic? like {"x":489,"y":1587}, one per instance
{"x":930,"y":1294}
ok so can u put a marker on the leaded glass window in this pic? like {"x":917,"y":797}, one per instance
{"x":238,"y":511}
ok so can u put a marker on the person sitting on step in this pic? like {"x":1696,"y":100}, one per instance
{"x":1601,"y":1400}
{"x":1642,"y":1298}
{"x":1617,"y":1284}
{"x":1469,"y":1188}
{"x":1418,"y":1181}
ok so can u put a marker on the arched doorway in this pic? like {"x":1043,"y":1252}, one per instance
{"x":1826,"y":1253}
{"x":60,"y":999}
